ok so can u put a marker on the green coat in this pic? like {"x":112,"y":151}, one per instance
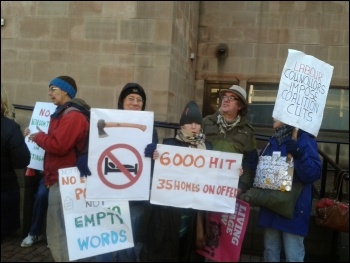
{"x":240,"y":139}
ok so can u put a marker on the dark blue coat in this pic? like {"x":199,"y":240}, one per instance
{"x":307,"y":170}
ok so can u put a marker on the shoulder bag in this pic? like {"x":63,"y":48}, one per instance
{"x":280,"y":197}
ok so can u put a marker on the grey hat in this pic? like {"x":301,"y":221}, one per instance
{"x":239,"y":91}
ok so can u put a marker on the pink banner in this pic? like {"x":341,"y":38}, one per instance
{"x":226,"y":234}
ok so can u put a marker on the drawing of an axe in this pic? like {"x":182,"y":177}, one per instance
{"x":101,"y":124}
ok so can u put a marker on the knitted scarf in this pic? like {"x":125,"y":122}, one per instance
{"x":189,"y":137}
{"x":227,"y":126}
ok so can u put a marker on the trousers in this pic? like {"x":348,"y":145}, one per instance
{"x":39,"y":208}
{"x":293,"y":246}
{"x":55,"y":228}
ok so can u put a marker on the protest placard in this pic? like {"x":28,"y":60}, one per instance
{"x":227,"y":233}
{"x":302,"y":91}
{"x":195,"y":178}
{"x":40,"y":118}
{"x":116,"y":160}
{"x":92,"y":227}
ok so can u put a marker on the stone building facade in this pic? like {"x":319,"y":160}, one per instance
{"x":174,"y":49}
{"x":169,"y":47}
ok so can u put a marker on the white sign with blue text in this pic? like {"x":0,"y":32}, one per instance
{"x":92,"y":227}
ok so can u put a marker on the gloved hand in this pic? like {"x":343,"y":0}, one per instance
{"x":82,"y":165}
{"x":149,"y":150}
{"x":292,"y":148}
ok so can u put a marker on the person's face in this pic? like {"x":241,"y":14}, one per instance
{"x":58,"y":96}
{"x":133,"y":102}
{"x":230,"y":104}
{"x":192,"y":127}
{"x":277,"y":124}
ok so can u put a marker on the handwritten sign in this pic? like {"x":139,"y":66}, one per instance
{"x":92,"y":227}
{"x":227,"y":233}
{"x":118,"y":139}
{"x":40,"y":118}
{"x":302,"y":92}
{"x":195,"y":178}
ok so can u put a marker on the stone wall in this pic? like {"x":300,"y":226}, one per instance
{"x":102,"y":45}
{"x":258,"y":35}
{"x":169,"y":47}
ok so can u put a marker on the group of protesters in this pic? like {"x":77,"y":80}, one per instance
{"x":171,"y":233}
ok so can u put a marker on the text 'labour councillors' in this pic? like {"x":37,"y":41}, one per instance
{"x":303,"y":91}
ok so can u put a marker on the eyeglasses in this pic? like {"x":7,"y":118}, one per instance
{"x":52,"y":89}
{"x":132,"y":99}
{"x":230,"y":98}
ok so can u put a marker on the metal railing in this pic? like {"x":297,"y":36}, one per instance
{"x":328,"y":164}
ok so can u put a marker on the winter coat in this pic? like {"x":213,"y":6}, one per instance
{"x":65,"y":139}
{"x":154,"y":134}
{"x":14,"y":155}
{"x":162,"y":242}
{"x":307,"y":170}
{"x":238,"y":140}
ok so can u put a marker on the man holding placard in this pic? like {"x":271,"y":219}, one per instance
{"x":229,"y":130}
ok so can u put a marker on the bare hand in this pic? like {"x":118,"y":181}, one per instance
{"x":32,"y":136}
{"x":26,"y":131}
{"x":240,"y":171}
{"x":155,"y":155}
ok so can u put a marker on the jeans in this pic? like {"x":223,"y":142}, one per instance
{"x":293,"y":246}
{"x":39,"y":208}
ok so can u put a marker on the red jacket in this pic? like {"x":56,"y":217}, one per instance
{"x":66,"y":136}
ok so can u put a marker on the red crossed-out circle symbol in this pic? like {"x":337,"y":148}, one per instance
{"x":130,"y":177}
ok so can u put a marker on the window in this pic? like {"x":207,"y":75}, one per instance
{"x":262,"y":96}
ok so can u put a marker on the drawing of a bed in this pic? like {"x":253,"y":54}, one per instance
{"x":110,"y":167}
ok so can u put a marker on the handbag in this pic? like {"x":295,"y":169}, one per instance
{"x":332,"y":213}
{"x":280,"y":197}
{"x":274,"y":172}
{"x":282,"y":203}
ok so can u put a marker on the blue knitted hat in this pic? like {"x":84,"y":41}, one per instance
{"x":65,"y":83}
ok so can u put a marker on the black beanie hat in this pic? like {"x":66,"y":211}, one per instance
{"x":131,"y":88}
{"x":191,"y":114}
